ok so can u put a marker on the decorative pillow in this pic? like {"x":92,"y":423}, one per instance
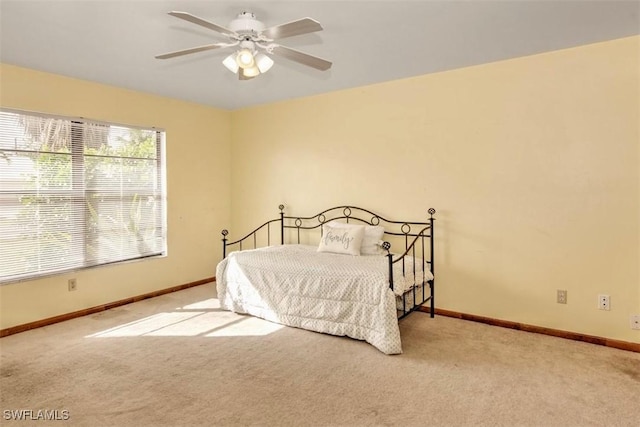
{"x":371,"y":240}
{"x":341,"y":240}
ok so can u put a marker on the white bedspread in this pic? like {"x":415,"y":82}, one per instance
{"x":297,"y":286}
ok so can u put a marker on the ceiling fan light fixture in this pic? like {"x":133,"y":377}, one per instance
{"x":263,"y":62}
{"x":231,"y":64}
{"x":251,"y":71}
{"x":245,"y":59}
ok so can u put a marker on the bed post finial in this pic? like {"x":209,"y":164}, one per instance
{"x":386,"y":246}
{"x":432,"y":264}
{"x":224,"y":243}
{"x":281,"y":207}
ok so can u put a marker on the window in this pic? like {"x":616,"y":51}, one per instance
{"x":77,"y":193}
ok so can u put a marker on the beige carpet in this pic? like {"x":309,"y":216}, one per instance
{"x":177,"y":360}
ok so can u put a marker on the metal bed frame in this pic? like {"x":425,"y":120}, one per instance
{"x":415,"y":247}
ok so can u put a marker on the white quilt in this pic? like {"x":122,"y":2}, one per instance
{"x":297,"y":286}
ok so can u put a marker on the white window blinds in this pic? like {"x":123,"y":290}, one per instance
{"x":76,"y":193}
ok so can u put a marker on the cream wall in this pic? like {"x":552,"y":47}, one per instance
{"x":532,"y":164}
{"x":198,"y":190}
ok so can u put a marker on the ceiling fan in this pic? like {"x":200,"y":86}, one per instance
{"x":253,"y":41}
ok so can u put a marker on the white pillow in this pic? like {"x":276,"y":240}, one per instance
{"x":341,"y":240}
{"x":371,"y":240}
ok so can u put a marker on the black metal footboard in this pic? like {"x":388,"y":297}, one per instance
{"x":413,"y":261}
{"x":253,"y":235}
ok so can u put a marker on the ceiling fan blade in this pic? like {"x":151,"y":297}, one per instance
{"x":192,"y":50}
{"x":199,"y":21}
{"x":294,"y":28}
{"x":302,"y":58}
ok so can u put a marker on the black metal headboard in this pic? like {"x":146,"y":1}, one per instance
{"x":410,"y":231}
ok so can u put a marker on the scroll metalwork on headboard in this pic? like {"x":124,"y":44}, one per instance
{"x":358,"y":215}
{"x":402,"y":229}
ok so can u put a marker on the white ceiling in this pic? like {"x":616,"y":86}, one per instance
{"x":114,"y":42}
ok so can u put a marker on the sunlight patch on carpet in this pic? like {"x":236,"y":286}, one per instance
{"x":250,"y":326}
{"x":203,"y":318}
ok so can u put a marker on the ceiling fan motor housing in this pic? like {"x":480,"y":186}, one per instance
{"x":246,"y":23}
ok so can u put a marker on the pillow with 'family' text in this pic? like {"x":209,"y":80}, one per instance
{"x":371,"y":240}
{"x":340,"y":240}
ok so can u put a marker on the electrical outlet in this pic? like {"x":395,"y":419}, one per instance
{"x":603,"y":302}
{"x":635,"y":321}
{"x":561,"y":296}
{"x":73,"y":285}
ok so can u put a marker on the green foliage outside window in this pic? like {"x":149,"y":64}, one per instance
{"x":89,"y":193}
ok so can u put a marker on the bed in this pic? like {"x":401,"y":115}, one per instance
{"x":345,"y":271}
